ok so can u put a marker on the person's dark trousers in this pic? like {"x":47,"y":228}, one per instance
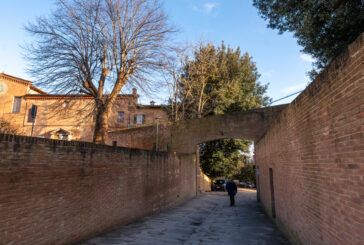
{"x":232,"y":200}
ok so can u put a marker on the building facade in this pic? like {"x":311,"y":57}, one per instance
{"x":67,"y":117}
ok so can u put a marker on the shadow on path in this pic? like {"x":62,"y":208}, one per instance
{"x":206,"y":219}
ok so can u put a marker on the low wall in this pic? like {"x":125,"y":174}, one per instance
{"x":205,"y":182}
{"x":59,"y":192}
{"x":311,"y":160}
{"x":142,"y":137}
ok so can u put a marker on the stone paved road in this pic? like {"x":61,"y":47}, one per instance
{"x":206,"y":219}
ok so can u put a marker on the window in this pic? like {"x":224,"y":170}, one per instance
{"x":139,"y":119}
{"x":16,"y":105}
{"x":120,"y":116}
{"x":30,"y":118}
{"x":63,"y":136}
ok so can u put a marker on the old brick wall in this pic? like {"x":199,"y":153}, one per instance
{"x":251,"y":124}
{"x":58,"y":192}
{"x":143,"y":137}
{"x":205,"y":182}
{"x":315,"y":149}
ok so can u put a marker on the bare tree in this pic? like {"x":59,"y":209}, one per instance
{"x":192,"y":81}
{"x":95,"y":46}
{"x":7,"y":128}
{"x":179,"y":89}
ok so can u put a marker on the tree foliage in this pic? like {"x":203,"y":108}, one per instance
{"x":96,"y":47}
{"x":223,"y":158}
{"x":247,"y":174}
{"x":323,"y":28}
{"x":217,"y":80}
{"x":192,"y":82}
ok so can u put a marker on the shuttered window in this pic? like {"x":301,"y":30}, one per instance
{"x":139,"y":119}
{"x":120,"y":116}
{"x":30,"y":118}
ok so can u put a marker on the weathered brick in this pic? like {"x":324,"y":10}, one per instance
{"x":55,"y":192}
{"x":315,"y":148}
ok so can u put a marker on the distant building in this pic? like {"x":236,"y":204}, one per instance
{"x":67,"y":117}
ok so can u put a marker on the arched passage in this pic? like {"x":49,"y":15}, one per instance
{"x":252,"y":125}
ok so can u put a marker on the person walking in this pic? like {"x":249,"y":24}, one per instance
{"x":232,"y":190}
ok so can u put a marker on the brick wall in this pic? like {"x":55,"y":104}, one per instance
{"x":315,"y":149}
{"x":183,"y":136}
{"x":143,"y":137}
{"x":58,"y":192}
{"x":205,"y":182}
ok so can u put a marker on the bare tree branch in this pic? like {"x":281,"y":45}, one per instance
{"x":91,"y":46}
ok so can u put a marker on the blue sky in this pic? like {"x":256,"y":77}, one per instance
{"x":236,"y":22}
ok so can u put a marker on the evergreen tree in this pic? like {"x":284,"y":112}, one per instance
{"x":247,"y":174}
{"x":218,"y":80}
{"x":223,"y":158}
{"x":323,"y":28}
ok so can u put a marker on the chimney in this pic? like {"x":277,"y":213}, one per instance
{"x":152,"y":103}
{"x":134,"y":91}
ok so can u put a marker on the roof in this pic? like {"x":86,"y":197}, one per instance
{"x":59,"y":130}
{"x":21,"y":81}
{"x":45,"y":96}
{"x":68,"y":96}
{"x":15,"y":79}
{"x":151,"y":106}
{"x":37,"y":89}
{"x":57,"y":96}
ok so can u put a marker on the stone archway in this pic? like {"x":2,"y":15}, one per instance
{"x":252,"y":125}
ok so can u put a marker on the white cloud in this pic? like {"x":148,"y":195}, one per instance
{"x":294,"y":88}
{"x":205,"y":8}
{"x":307,"y":58}
{"x":208,"y":7}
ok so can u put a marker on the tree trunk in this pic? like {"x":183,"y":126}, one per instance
{"x":103,"y":109}
{"x":101,"y":124}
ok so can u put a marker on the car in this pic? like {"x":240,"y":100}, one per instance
{"x":243,"y":184}
{"x":219,"y":185}
{"x":251,"y":185}
{"x":226,"y":181}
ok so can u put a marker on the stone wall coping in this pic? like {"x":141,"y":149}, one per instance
{"x":80,"y":144}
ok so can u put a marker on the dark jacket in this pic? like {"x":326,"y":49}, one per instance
{"x":231,"y":188}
